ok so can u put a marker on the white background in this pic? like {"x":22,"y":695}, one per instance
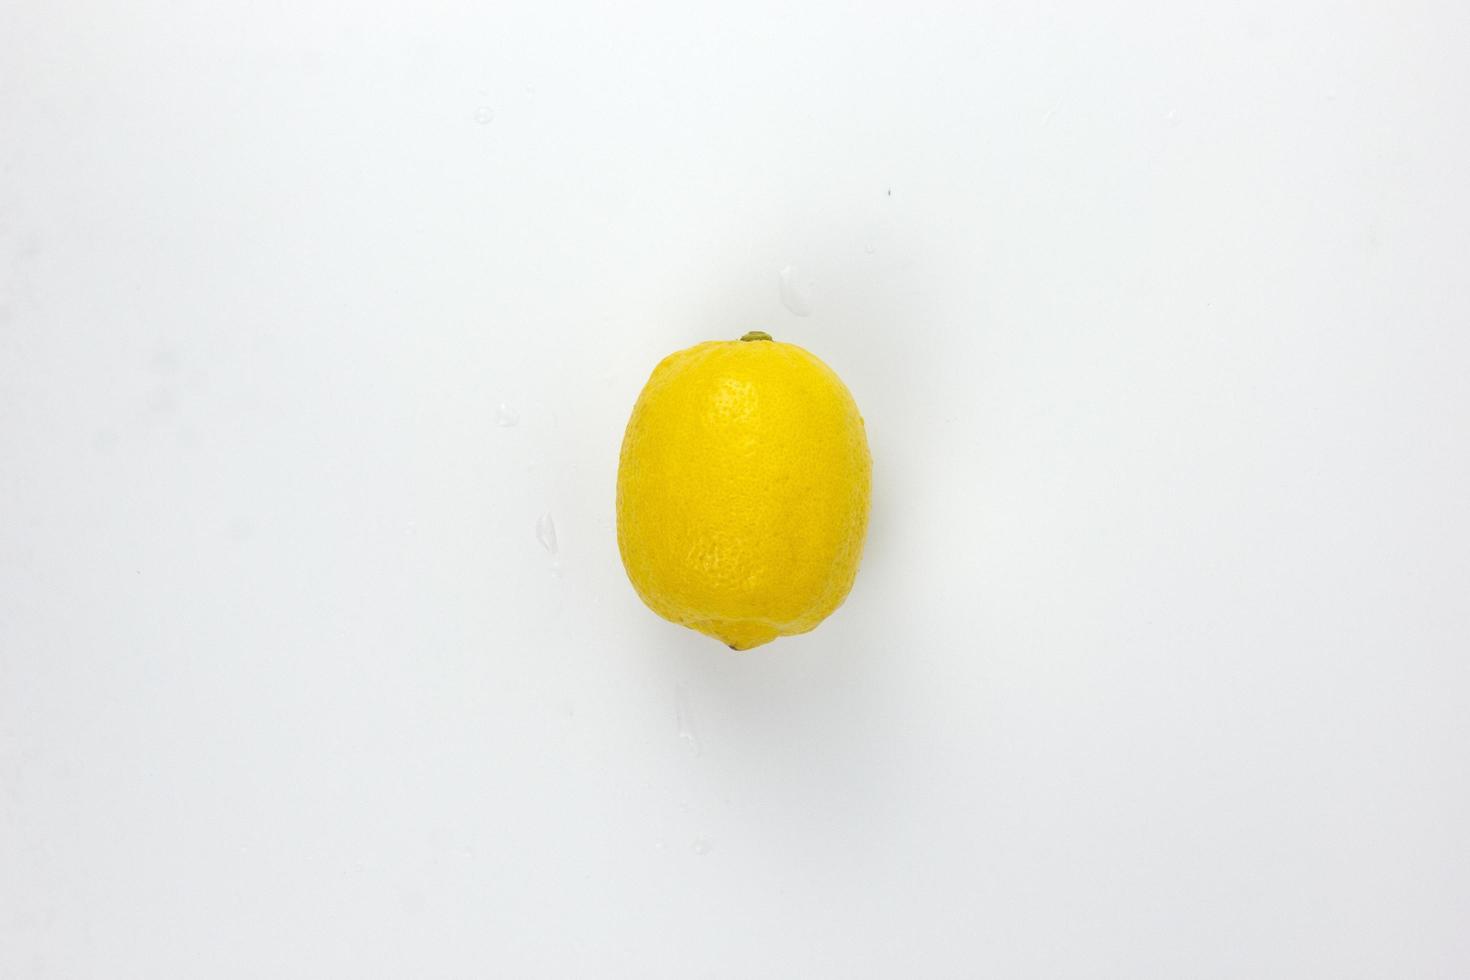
{"x":1157,"y":664}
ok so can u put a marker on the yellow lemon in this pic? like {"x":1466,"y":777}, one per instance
{"x":743,"y":490}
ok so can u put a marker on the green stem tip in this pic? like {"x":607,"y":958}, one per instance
{"x":756,"y":335}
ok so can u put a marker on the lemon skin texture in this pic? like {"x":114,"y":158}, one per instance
{"x":743,"y":490}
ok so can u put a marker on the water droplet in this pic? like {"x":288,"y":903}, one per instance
{"x":684,"y":719}
{"x":484,"y":115}
{"x":1172,"y":118}
{"x":795,"y":291}
{"x":162,"y":401}
{"x":505,"y":416}
{"x":546,"y":533}
{"x":702,"y":846}
{"x":104,"y":440}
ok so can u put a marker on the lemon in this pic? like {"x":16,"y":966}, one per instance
{"x":743,"y":490}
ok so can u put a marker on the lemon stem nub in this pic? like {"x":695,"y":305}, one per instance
{"x":756,"y":335}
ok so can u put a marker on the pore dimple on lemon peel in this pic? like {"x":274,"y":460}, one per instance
{"x":743,"y":490}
